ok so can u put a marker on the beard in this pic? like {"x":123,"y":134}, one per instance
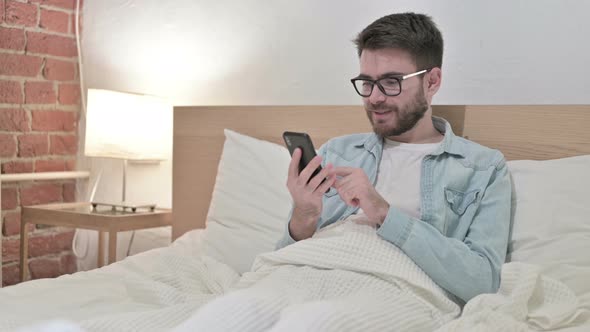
{"x":407,"y":116}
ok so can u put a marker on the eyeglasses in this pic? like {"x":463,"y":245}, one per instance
{"x":389,"y":86}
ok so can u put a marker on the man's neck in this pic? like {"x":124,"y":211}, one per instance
{"x":422,"y":133}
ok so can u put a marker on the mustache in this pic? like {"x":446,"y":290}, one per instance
{"x":382,"y":108}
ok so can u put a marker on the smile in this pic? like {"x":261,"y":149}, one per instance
{"x":381,"y":113}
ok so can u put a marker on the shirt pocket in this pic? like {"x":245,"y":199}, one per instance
{"x":459,"y":201}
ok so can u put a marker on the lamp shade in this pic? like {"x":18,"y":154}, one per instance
{"x":127,"y":126}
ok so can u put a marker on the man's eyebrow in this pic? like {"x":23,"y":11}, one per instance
{"x":391,"y":73}
{"x":388,"y":74}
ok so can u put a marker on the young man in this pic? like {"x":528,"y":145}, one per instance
{"x":443,"y":200}
{"x":439,"y":203}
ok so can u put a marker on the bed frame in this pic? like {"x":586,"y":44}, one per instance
{"x":519,"y":131}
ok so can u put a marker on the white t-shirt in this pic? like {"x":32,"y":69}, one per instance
{"x":398,"y":176}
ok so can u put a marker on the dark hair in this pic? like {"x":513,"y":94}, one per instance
{"x":414,"y":33}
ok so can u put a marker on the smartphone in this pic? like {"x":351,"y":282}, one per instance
{"x":295,"y":140}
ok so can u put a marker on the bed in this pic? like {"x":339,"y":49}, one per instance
{"x":225,"y":216}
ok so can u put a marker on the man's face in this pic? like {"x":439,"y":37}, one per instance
{"x":393,"y":116}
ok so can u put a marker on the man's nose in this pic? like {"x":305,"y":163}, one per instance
{"x":377,"y":96}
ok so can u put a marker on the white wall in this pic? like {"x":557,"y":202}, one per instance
{"x":203,"y":52}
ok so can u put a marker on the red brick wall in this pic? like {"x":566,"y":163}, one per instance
{"x":39,"y":105}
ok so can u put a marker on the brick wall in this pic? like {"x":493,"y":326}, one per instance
{"x":39,"y":105}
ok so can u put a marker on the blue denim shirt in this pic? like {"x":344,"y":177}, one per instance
{"x":461,"y":238}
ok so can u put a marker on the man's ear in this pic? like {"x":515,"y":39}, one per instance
{"x":433,"y":80}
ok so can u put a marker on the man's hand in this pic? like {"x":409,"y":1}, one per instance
{"x":355,"y":189}
{"x":307,"y":194}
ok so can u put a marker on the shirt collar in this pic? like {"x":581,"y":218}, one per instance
{"x":449,"y":144}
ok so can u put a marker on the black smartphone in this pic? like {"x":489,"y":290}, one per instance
{"x":295,"y":140}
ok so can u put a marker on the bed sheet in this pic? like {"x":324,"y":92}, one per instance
{"x":154,"y":290}
{"x":162,"y":289}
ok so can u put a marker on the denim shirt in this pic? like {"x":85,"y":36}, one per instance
{"x":461,"y":238}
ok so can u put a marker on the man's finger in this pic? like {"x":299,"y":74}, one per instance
{"x":341,"y":182}
{"x":344,"y":171}
{"x":323,"y":188}
{"x":321,"y":176}
{"x":294,"y":164}
{"x":310,"y":168}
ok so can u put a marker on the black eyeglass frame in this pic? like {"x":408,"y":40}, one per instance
{"x":399,"y":80}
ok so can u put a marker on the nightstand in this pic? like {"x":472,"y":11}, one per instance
{"x":82,"y":215}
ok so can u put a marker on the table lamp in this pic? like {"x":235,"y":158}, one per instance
{"x":126,"y":126}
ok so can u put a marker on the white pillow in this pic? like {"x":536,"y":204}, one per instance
{"x":552,"y":218}
{"x":250,"y":203}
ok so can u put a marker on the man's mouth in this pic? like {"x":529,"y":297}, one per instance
{"x":382,"y":111}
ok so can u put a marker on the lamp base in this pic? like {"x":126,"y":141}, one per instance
{"x":124,"y":207}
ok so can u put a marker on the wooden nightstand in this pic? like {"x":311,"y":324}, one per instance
{"x":82,"y":215}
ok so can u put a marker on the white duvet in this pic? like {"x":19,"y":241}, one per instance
{"x":164,"y":289}
{"x":525,"y":301}
{"x":154,"y":290}
{"x":347,"y":273}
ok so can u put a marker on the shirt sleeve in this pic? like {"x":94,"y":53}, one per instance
{"x":464,"y":268}
{"x":286,"y":239}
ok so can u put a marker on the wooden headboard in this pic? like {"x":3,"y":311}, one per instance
{"x":520,"y":132}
